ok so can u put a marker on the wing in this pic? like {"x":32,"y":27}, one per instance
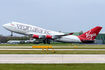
{"x":44,"y":36}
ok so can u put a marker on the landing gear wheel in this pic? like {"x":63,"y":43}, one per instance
{"x":48,"y":41}
{"x":44,"y":41}
{"x":11,"y":33}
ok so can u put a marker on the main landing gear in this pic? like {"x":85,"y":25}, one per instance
{"x":46,"y":41}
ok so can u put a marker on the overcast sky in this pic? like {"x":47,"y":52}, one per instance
{"x":57,"y":15}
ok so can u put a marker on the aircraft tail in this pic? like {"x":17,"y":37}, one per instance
{"x":91,"y":34}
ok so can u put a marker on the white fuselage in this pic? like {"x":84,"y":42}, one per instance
{"x":69,"y":39}
{"x":26,"y":29}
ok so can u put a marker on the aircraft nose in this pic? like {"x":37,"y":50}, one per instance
{"x":5,"y":25}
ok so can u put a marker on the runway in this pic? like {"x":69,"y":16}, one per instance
{"x":52,"y":58}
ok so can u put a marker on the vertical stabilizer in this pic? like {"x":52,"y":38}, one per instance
{"x":91,"y":34}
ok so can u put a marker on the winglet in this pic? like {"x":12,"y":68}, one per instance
{"x":71,"y":33}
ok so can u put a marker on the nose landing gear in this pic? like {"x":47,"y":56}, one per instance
{"x":11,"y":33}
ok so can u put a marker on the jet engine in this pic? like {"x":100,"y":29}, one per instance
{"x":48,"y":37}
{"x":43,"y":36}
{"x":35,"y":36}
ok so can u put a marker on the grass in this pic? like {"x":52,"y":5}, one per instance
{"x":52,"y":66}
{"x":80,"y":47}
{"x":30,"y":44}
{"x":55,"y":46}
{"x":50,"y":52}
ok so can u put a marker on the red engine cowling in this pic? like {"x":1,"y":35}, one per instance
{"x":48,"y":37}
{"x":35,"y":36}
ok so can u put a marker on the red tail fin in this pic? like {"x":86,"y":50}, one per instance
{"x":91,"y":34}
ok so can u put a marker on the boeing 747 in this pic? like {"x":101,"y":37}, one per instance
{"x":47,"y":35}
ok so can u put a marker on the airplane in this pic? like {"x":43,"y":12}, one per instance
{"x":48,"y":35}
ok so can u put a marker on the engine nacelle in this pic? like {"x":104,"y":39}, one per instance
{"x":35,"y":36}
{"x":42,"y":36}
{"x":48,"y":37}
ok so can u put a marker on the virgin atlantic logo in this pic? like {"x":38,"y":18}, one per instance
{"x":89,"y":35}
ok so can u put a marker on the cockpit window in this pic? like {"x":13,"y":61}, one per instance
{"x":12,"y":24}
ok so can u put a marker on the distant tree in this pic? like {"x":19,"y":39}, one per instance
{"x":8,"y":39}
{"x":4,"y":39}
{"x":59,"y":31}
{"x":81,"y":32}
